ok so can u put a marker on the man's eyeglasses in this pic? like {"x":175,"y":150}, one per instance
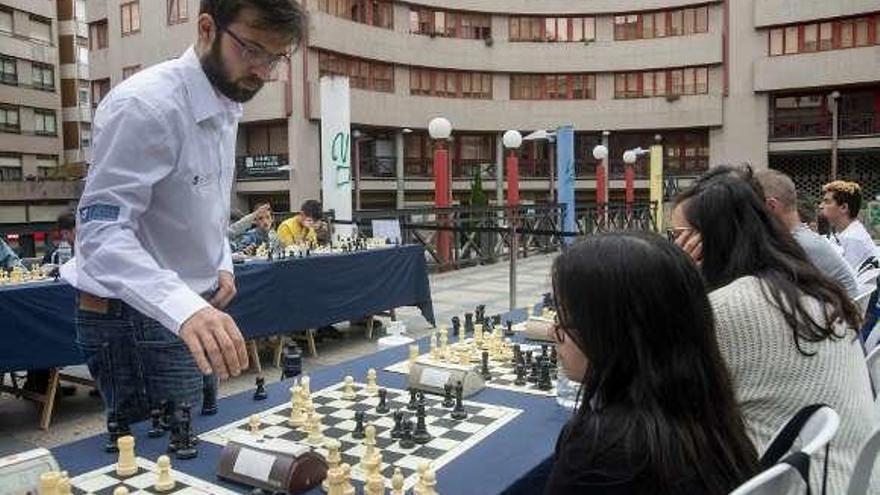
{"x":255,"y":55}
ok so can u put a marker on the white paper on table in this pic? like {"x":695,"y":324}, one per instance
{"x":253,"y":464}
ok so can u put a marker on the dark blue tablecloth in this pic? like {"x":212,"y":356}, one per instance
{"x":504,"y":461}
{"x":36,"y":320}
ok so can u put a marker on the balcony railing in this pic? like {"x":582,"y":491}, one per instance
{"x":262,"y":167}
{"x":819,"y":126}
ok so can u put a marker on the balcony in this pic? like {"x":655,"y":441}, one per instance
{"x":819,"y":126}
{"x":817,"y":70}
{"x":262,"y":167}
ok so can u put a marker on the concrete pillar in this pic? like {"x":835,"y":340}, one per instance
{"x":399,"y":170}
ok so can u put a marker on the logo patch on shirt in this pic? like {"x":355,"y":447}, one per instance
{"x":99,"y":212}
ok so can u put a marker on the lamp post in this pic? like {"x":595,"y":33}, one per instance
{"x":356,"y":134}
{"x":440,"y":129}
{"x":600,"y":153}
{"x":629,"y":176}
{"x":833,"y":102}
{"x":512,"y":141}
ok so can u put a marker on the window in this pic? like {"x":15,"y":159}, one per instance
{"x":44,"y":122}
{"x":41,"y":29}
{"x":130,"y":71}
{"x":44,"y":77}
{"x":80,"y":12}
{"x":464,"y":25}
{"x":5,"y":20}
{"x":98,"y":35}
{"x":552,"y":29}
{"x":450,"y":84}
{"x":85,"y":135}
{"x":84,"y":94}
{"x":100,"y":88}
{"x":824,"y":36}
{"x":552,"y":86}
{"x":10,"y":167}
{"x":9,"y":119}
{"x":82,"y":51}
{"x":130,"y":14}
{"x":377,"y":13}
{"x":363,"y":74}
{"x":8,"y":70}
{"x":176,"y":11}
{"x":661,"y":24}
{"x":686,"y":81}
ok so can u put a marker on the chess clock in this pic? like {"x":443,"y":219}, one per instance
{"x":20,"y":473}
{"x":431,"y":377}
{"x":272,"y":464}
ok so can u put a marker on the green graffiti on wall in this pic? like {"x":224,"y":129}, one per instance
{"x":339,"y":154}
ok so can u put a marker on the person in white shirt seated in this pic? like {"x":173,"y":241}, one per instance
{"x":840,"y":206}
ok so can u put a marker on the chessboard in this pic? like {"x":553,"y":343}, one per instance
{"x":104,"y":480}
{"x":503,"y":373}
{"x":451,"y":437}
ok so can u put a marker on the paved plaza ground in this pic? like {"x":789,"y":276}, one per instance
{"x":455,"y":292}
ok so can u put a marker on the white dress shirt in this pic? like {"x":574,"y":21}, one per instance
{"x":152,"y":220}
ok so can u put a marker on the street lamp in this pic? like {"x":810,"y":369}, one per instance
{"x":600,"y":153}
{"x":512,"y":141}
{"x":356,"y":134}
{"x":439,"y":128}
{"x":835,"y":107}
{"x":629,"y":175}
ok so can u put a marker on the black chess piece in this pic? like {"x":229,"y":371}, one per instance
{"x":382,"y":408}
{"x":291,"y":361}
{"x":544,"y":349}
{"x":548,"y":301}
{"x":520,"y":374}
{"x":533,"y":373}
{"x":260,"y":392}
{"x":458,"y":412}
{"x":412,"y":400}
{"x":156,"y":429}
{"x":448,"y":400}
{"x":168,"y":408}
{"x":508,"y":328}
{"x":554,"y":357}
{"x":544,"y":381}
{"x":496,"y":320}
{"x":359,"y":429}
{"x":406,"y":436}
{"x":468,"y":323}
{"x":517,"y":354}
{"x":528,"y":360}
{"x":185,"y":449}
{"x":420,"y":399}
{"x":209,"y":397}
{"x":421,"y":435}
{"x":114,"y":431}
{"x":397,"y":430}
{"x":484,"y":369}
{"x":480,"y":313}
{"x":174,"y":440}
{"x":456,"y":325}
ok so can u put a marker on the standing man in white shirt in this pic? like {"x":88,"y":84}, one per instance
{"x":153,"y":266}
{"x":840,"y":206}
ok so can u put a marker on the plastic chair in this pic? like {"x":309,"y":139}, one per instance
{"x":781,"y":479}
{"x":873,"y":339}
{"x":812,"y":427}
{"x":861,"y":476}
{"x":864,"y":299}
{"x":873,"y":362}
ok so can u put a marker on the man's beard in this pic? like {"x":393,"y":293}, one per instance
{"x":212,"y":64}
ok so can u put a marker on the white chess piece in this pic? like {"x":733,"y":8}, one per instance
{"x":429,"y":481}
{"x":316,"y":435}
{"x":126,"y":465}
{"x":397,"y":482}
{"x":348,"y":392}
{"x":335,"y":481}
{"x":297,"y":418}
{"x":305,"y":382}
{"x":372,"y":388}
{"x":369,"y":446}
{"x":333,"y":462}
{"x":347,"y":487}
{"x":165,"y":481}
{"x":374,"y":481}
{"x":120,"y":490}
{"x":413,"y":354}
{"x":49,"y":483}
{"x":254,"y":424}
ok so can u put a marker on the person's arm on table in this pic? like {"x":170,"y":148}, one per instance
{"x":111,"y":254}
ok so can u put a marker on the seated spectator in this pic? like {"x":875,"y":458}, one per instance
{"x":840,"y":206}
{"x":307,"y":226}
{"x":8,"y":258}
{"x":657,"y":413}
{"x":239,"y":224}
{"x":66,"y":225}
{"x":780,"y":197}
{"x":261,"y":233}
{"x":787,"y":332}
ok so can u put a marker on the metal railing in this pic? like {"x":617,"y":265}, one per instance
{"x":595,"y":219}
{"x":819,"y":126}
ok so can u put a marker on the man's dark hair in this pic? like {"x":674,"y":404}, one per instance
{"x":67,"y":221}
{"x":312,"y":209}
{"x":281,"y":16}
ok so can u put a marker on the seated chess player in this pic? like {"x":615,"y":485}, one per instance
{"x":307,"y":226}
{"x":8,"y":258}
{"x":66,"y":224}
{"x":239,"y":224}
{"x":259,"y":234}
{"x":656,"y":411}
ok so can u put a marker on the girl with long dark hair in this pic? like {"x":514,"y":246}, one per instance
{"x":657,"y":414}
{"x":786,"y":331}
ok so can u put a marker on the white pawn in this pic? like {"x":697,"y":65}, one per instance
{"x":120,"y":490}
{"x":126,"y":465}
{"x":369,"y":446}
{"x":348,"y":392}
{"x":374,"y":481}
{"x":316,"y":436}
{"x":397,"y":482}
{"x":347,"y":487}
{"x":429,"y":481}
{"x":333,"y":462}
{"x":297,"y":418}
{"x":254,"y":424}
{"x":165,"y":481}
{"x":334,"y":481}
{"x":372,"y":388}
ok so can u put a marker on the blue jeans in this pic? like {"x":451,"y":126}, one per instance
{"x":135,"y":361}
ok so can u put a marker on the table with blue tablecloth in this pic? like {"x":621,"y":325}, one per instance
{"x":513,"y":459}
{"x":36,"y":319}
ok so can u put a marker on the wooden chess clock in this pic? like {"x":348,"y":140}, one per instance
{"x":275,"y":465}
{"x":431,"y":377}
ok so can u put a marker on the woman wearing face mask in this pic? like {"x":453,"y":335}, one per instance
{"x":657,"y":413}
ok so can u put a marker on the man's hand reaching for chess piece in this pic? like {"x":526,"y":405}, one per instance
{"x":215,"y":342}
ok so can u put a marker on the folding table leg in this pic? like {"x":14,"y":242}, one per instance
{"x":49,"y":399}
{"x":279,"y":349}
{"x":310,"y":339}
{"x":254,"y":356}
